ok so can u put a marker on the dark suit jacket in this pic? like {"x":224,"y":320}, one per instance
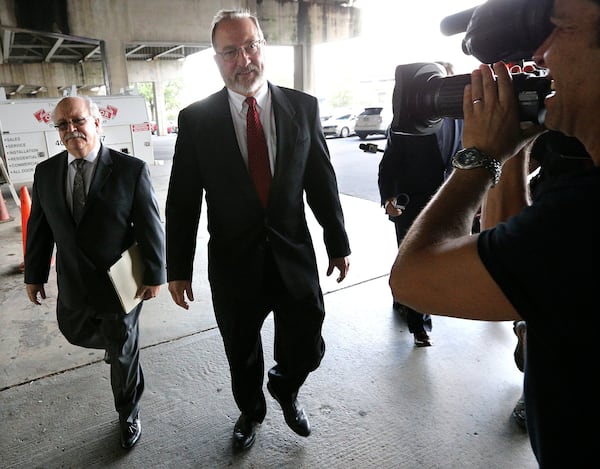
{"x":417,"y":165}
{"x":208,"y":160}
{"x":121,"y":208}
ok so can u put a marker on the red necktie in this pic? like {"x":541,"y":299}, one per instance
{"x":258,"y":153}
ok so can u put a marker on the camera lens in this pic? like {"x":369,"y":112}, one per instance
{"x":423,"y":95}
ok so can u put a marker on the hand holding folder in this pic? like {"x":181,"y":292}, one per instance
{"x":127,"y":276}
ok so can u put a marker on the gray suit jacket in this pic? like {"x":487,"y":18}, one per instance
{"x":208,"y":161}
{"x":121,"y":208}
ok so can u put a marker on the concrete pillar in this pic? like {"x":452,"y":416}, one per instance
{"x":304,"y":74}
{"x":53,"y":92}
{"x":159,"y":100}
{"x":116,"y":66}
{"x":299,"y":67}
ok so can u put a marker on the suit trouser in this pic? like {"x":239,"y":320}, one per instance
{"x":416,"y":322}
{"x":298,"y":347}
{"x":118,"y":334}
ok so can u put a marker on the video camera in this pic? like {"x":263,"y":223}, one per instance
{"x":498,"y":30}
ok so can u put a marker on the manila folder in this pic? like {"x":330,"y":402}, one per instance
{"x":126,"y":276}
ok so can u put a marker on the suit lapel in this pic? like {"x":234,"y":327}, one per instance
{"x":61,"y":176}
{"x":101,"y":174}
{"x":286,"y":128}
{"x":223,"y":123}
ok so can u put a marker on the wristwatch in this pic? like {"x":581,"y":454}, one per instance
{"x":471,"y":158}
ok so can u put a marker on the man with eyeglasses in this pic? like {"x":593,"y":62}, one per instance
{"x":254,"y":171}
{"x":93,"y":203}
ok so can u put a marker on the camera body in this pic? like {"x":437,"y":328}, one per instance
{"x":498,"y":30}
{"x":423,"y":95}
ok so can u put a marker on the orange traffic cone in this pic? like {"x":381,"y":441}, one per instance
{"x":4,"y":215}
{"x":25,"y":211}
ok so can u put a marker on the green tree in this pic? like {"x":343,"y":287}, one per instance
{"x":172,"y":102}
{"x":146,"y":89}
{"x":343,"y":98}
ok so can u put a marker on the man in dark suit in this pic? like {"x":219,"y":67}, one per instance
{"x":261,"y":257}
{"x":118,"y":208}
{"x":411,"y":170}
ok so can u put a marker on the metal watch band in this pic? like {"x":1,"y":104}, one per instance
{"x":478,"y":159}
{"x":495,"y":168}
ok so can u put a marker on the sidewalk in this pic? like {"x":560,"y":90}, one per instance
{"x":376,"y":401}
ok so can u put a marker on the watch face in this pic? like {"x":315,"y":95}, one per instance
{"x":469,"y":158}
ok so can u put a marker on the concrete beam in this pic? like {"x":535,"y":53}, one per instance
{"x":119,"y":23}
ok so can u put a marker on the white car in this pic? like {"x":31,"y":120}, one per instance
{"x":373,"y":121}
{"x":339,"y":126}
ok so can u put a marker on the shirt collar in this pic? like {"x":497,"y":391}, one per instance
{"x":90,"y":157}
{"x":239,"y":100}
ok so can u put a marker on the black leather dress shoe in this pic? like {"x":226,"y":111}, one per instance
{"x":422,"y":339}
{"x":130,"y":432}
{"x":244,"y":433}
{"x":293,"y":414}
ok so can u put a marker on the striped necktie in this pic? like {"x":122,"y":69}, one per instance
{"x":78,"y":190}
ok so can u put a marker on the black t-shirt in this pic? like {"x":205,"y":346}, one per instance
{"x":546,"y":260}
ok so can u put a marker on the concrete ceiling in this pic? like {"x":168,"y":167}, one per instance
{"x":20,"y":46}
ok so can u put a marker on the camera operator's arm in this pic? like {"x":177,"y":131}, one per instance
{"x":438,"y":269}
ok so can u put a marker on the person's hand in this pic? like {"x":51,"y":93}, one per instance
{"x":491,"y":116}
{"x":146,"y":292}
{"x":392,"y":209}
{"x":179,"y":289}
{"x":32,"y":292}
{"x":342,"y":264}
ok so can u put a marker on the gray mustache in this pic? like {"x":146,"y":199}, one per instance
{"x":249,"y":68}
{"x":75,"y":134}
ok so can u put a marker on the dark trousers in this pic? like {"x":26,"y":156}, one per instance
{"x":416,"y":321}
{"x":298,"y":347}
{"x":118,"y":334}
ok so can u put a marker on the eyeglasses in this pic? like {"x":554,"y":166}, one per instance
{"x":250,"y":50}
{"x":77,"y":122}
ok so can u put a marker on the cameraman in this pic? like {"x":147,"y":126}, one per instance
{"x":553,"y":155}
{"x":505,"y":272}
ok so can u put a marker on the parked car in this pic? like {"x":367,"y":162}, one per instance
{"x":373,"y":121}
{"x":340,"y":125}
{"x":172,"y":127}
